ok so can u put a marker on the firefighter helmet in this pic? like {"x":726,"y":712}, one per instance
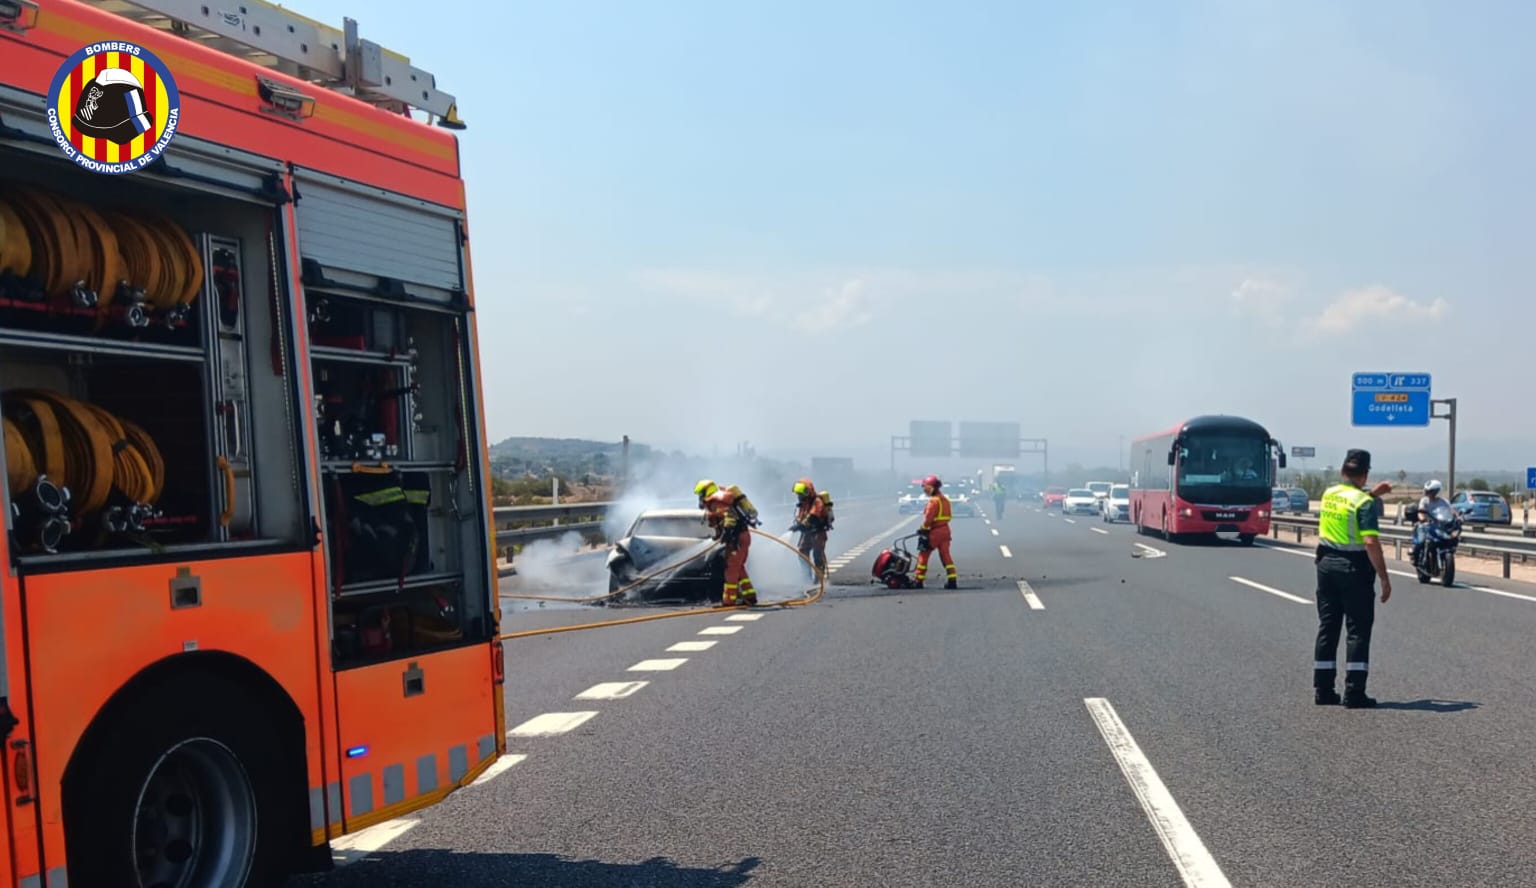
{"x":804,"y":488}
{"x":705,"y":489}
{"x":933,"y":481}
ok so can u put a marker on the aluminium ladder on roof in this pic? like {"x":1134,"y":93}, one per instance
{"x":283,"y":40}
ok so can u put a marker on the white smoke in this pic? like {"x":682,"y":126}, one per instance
{"x":566,"y":567}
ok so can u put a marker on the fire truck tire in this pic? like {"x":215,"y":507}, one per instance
{"x":178,"y":789}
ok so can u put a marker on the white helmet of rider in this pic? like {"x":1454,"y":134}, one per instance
{"x":1432,"y":487}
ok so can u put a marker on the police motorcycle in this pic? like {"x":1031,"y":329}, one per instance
{"x":1437,"y":554}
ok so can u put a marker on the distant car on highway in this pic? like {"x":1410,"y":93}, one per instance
{"x":1117,"y":505}
{"x":1301,"y":501}
{"x":1099,"y":489}
{"x":1279,"y":501}
{"x":1482,"y":507}
{"x":1079,"y":501}
{"x":1053,"y":497}
{"x":662,"y":541}
{"x":911,"y":503}
{"x":961,"y":503}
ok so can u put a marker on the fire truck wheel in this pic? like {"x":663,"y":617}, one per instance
{"x":184,"y":794}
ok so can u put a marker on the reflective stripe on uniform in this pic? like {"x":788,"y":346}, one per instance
{"x":1338,"y":523}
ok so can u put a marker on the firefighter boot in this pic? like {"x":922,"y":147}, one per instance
{"x":1355,"y":698}
{"x":1325,"y":696}
{"x":951,"y":584}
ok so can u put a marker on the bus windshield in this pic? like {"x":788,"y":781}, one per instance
{"x":1217,"y":468}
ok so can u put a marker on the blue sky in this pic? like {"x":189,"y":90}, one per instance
{"x":803,"y":224}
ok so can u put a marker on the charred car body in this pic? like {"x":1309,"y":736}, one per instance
{"x":677,"y":554}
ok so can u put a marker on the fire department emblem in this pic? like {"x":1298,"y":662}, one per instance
{"x":113,"y":107}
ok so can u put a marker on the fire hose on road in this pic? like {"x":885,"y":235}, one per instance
{"x":812,"y":598}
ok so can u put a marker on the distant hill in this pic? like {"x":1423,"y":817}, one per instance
{"x":569,"y":458}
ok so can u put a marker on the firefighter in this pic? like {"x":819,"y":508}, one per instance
{"x":732,"y":516}
{"x":1349,"y":559}
{"x":813,"y":518}
{"x":934,"y":533}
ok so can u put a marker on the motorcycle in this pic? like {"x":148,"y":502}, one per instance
{"x":1437,"y":554}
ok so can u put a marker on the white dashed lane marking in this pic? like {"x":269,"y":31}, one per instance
{"x":1099,"y":530}
{"x":720,"y":630}
{"x":551,"y":723}
{"x":683,"y":647}
{"x":502,"y":765}
{"x":743,"y":618}
{"x":611,"y":690}
{"x":666,"y":665}
{"x":1276,"y":592}
{"x":357,"y":846}
{"x":1183,"y":845}
{"x":1030,"y":597}
{"x":1006,"y":552}
{"x":994,"y":531}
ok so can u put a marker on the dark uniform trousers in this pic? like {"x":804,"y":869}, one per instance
{"x":1346,"y":594}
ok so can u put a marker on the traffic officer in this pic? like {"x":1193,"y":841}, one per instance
{"x":999,"y":497}
{"x":1349,"y":559}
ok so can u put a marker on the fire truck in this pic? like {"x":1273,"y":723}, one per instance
{"x":249,"y":603}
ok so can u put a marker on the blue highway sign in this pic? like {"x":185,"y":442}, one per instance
{"x":1391,"y":399}
{"x":1530,"y":478}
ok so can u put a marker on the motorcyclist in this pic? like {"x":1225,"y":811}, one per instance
{"x":1432,"y":506}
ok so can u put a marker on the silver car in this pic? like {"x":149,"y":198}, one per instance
{"x":1117,"y":505}
{"x":1080,"y":501}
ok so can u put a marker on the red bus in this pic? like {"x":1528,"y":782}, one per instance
{"x":1209,"y":475}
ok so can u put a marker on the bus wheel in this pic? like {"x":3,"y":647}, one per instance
{"x":188,"y":793}
{"x":1246,"y":538}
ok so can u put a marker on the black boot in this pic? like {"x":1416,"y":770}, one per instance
{"x":951,"y":585}
{"x":1325,"y":696}
{"x":1355,"y":698}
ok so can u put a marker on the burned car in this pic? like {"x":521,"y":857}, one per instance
{"x":676,"y":549}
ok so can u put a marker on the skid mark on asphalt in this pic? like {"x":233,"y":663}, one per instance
{"x":1189,"y":855}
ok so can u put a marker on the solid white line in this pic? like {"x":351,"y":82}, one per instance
{"x":744,"y":618}
{"x":551,"y":723}
{"x":1099,"y":530}
{"x":720,"y":630}
{"x":683,"y":647}
{"x":611,"y":690}
{"x":1189,"y":855}
{"x":1263,"y":588}
{"x":658,"y":665}
{"x":496,"y":770}
{"x":351,"y":849}
{"x":1503,"y":593}
{"x":1006,"y":553}
{"x":1030,"y":596}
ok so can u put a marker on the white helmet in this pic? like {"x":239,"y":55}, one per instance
{"x":1432,"y":487}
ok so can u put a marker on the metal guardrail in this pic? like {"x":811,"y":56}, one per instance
{"x":1504,"y":546}
{"x":516,"y":525}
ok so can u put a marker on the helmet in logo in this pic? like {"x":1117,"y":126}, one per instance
{"x":112,"y":107}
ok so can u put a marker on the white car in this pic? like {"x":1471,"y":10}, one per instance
{"x":1099,"y":489}
{"x":1116,"y":506}
{"x":1080,"y":501}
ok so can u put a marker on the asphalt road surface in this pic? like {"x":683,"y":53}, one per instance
{"x":1089,"y":708}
